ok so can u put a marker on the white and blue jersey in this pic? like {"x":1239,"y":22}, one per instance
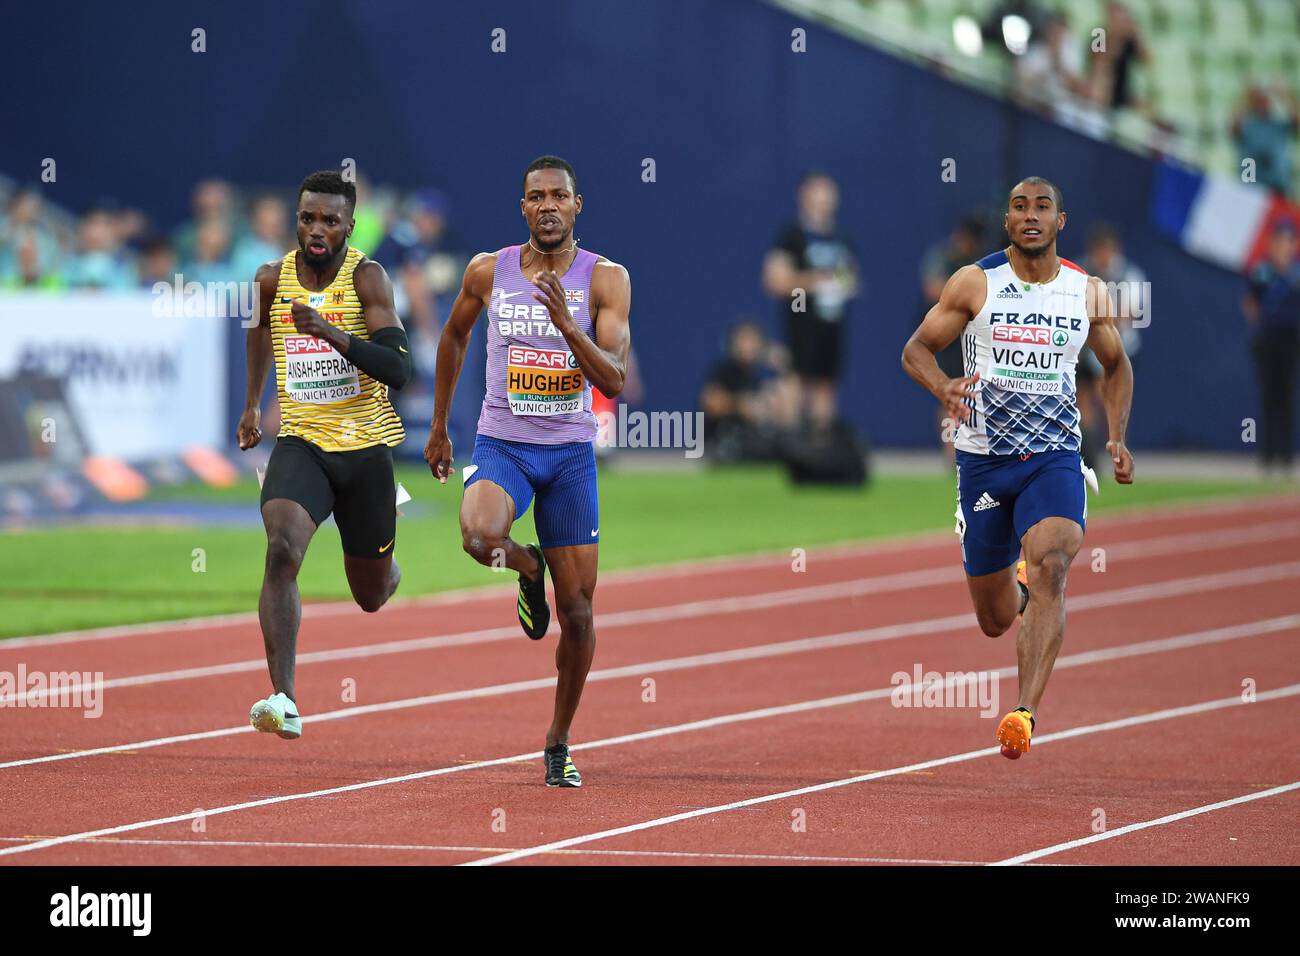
{"x":1018,"y":455}
{"x":1024,"y":342}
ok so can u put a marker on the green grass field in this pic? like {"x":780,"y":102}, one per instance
{"x":75,"y":577}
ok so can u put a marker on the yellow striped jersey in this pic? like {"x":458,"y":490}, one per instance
{"x":324,"y":398}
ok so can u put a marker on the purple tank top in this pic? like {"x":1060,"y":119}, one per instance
{"x":535,"y":390}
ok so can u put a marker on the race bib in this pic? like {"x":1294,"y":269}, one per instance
{"x":1027,"y":359}
{"x":315,"y":373}
{"x":543,"y":381}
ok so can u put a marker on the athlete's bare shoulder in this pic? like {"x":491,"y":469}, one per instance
{"x":608,"y":276}
{"x":610,"y":267}
{"x":268,"y":271}
{"x":478,"y":275}
{"x":966,"y":289}
{"x":369,"y":269}
{"x":371,"y":282}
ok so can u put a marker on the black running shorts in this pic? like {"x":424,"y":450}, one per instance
{"x":357,"y":486}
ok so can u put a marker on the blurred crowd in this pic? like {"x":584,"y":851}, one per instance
{"x":1084,"y":84}
{"x":1062,"y":74}
{"x":228,"y":234}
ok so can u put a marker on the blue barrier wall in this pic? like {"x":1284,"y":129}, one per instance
{"x":710,"y":91}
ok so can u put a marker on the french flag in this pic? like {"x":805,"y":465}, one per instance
{"x":1218,"y":218}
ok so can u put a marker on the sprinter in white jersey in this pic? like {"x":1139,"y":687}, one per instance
{"x":1023,"y":314}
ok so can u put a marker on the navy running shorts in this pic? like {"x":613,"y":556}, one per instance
{"x":1000,"y":497}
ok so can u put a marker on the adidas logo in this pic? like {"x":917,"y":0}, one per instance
{"x":985,"y":503}
{"x":1010,"y":292}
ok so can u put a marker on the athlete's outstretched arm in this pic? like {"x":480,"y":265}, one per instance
{"x":258,"y":356}
{"x":603,"y":361}
{"x":961,"y":299}
{"x":475,"y":288}
{"x":1117,"y":375}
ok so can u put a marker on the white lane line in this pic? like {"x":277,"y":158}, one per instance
{"x":1136,"y":594}
{"x":847,"y":549}
{"x":837,"y":590}
{"x":1146,"y":824}
{"x":1171,"y":713}
{"x":876,"y":584}
{"x":434,"y":848}
{"x":1157,"y":646}
{"x":495,"y":592}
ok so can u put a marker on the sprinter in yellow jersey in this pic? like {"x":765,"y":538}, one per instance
{"x":327,"y":321}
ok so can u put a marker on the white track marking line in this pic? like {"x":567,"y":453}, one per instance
{"x":885,"y":583}
{"x":1158,"y":646}
{"x":434,"y":848}
{"x":652,"y":615}
{"x":1175,"y":712}
{"x":1135,"y":594}
{"x":848,"y":549}
{"x":1134,"y":827}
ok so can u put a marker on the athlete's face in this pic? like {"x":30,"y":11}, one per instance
{"x":1032,"y":219}
{"x":550,"y":208}
{"x":324,"y":224}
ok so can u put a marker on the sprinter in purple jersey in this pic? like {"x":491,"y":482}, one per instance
{"x":557,"y":325}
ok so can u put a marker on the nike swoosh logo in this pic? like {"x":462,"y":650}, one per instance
{"x":596,"y":532}
{"x":509,"y":295}
{"x":387,"y":546}
{"x":400,"y":349}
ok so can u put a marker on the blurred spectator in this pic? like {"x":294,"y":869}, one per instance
{"x":157,"y":263}
{"x":423,"y":259}
{"x":27,"y":270}
{"x":1104,"y":258}
{"x":29,"y":249}
{"x":211,"y":260}
{"x":812,"y":271}
{"x":1126,"y":282}
{"x":963,"y":246}
{"x":369,"y":216}
{"x":212,"y":202}
{"x":745,"y":400}
{"x":1272,"y":309}
{"x":1050,"y":77}
{"x":99,"y":262}
{"x":268,"y":236}
{"x":1266,"y":135}
{"x":1113,"y":65}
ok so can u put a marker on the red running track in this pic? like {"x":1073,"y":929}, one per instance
{"x":738,"y":712}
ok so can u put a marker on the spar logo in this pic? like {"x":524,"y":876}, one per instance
{"x":528,"y":357}
{"x":305,"y":345}
{"x":1026,"y":335}
{"x":1059,"y":338}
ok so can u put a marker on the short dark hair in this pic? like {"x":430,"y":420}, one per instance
{"x":331,"y":182}
{"x":1040,"y":181}
{"x":552,"y":162}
